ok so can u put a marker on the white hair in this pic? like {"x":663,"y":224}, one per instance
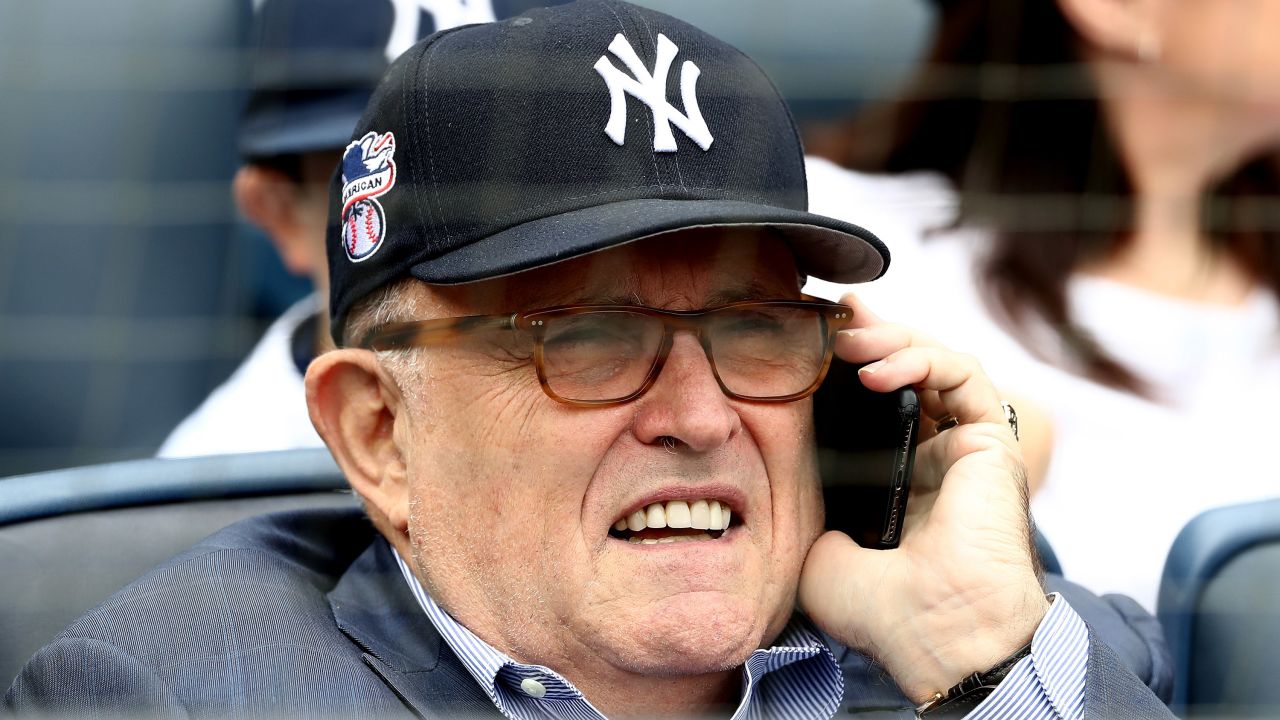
{"x":399,"y":301}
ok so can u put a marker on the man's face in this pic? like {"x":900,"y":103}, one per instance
{"x":513,"y":494}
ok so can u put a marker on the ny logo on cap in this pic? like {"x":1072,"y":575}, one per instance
{"x":651,"y":89}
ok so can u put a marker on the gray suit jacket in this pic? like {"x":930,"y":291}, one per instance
{"x":306,"y":614}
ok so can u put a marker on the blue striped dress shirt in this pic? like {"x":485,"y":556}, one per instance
{"x":798,"y":677}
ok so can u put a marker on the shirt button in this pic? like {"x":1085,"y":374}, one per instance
{"x":533,"y":688}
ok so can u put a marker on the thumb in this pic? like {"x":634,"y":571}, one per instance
{"x":837,"y":586}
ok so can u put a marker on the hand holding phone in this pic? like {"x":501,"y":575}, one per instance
{"x":967,"y":550}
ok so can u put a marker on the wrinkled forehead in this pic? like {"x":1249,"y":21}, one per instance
{"x":687,"y":269}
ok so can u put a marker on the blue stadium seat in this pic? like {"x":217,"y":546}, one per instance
{"x":1220,"y":607}
{"x":70,"y":538}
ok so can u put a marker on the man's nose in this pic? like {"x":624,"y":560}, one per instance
{"x":686,"y":403}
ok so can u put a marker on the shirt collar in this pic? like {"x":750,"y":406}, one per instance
{"x":798,"y":676}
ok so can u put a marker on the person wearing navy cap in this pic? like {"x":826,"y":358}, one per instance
{"x":314,"y":65}
{"x":573,"y":392}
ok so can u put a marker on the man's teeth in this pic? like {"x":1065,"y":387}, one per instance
{"x":656,"y":515}
{"x":678,"y":514}
{"x":699,"y":515}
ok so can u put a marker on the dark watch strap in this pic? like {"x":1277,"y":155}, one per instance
{"x":965,"y":695}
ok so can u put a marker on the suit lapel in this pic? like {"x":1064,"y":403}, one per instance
{"x":446,"y":691}
{"x":373,"y":606}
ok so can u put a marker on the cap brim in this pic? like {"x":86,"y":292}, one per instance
{"x":824,"y":247}
{"x":285,"y":127}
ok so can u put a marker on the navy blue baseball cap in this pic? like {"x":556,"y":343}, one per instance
{"x":492,"y":149}
{"x":316,"y":62}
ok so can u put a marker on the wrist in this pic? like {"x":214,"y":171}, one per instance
{"x":951,"y":645}
{"x":972,"y":691}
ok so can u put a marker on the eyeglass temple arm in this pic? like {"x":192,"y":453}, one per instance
{"x":397,"y":336}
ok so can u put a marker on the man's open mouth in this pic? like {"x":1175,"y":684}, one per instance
{"x":674,"y":521}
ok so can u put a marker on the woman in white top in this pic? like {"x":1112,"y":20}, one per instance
{"x":1084,"y":196}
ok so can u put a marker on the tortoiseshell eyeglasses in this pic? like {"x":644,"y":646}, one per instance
{"x":599,"y":355}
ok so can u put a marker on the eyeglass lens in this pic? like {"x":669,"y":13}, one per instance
{"x":757,"y":352}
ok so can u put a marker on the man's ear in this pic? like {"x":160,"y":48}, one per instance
{"x":270,"y":200}
{"x":1129,"y":28}
{"x":355,"y":405}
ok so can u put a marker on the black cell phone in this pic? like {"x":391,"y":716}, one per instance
{"x":866,"y":447}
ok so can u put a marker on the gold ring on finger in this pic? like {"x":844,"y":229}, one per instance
{"x":946,"y":423}
{"x":1010,"y":416}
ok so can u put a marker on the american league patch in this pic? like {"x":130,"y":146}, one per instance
{"x":368,"y":170}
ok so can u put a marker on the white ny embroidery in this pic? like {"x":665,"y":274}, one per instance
{"x":447,"y":14}
{"x":652,"y":91}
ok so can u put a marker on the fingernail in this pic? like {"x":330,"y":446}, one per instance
{"x":872,"y":368}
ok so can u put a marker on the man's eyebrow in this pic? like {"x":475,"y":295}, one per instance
{"x":748,"y":291}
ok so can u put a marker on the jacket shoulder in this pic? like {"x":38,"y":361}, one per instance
{"x":1111,"y":690}
{"x":239,"y":624}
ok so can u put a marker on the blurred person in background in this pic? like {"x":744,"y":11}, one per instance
{"x":1087,"y":188}
{"x":315,"y":64}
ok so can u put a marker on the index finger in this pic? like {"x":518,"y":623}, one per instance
{"x":949,"y":383}
{"x":963,"y":389}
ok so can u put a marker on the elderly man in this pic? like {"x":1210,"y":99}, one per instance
{"x":573,"y":393}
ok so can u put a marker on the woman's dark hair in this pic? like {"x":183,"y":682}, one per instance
{"x":1006,"y":109}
